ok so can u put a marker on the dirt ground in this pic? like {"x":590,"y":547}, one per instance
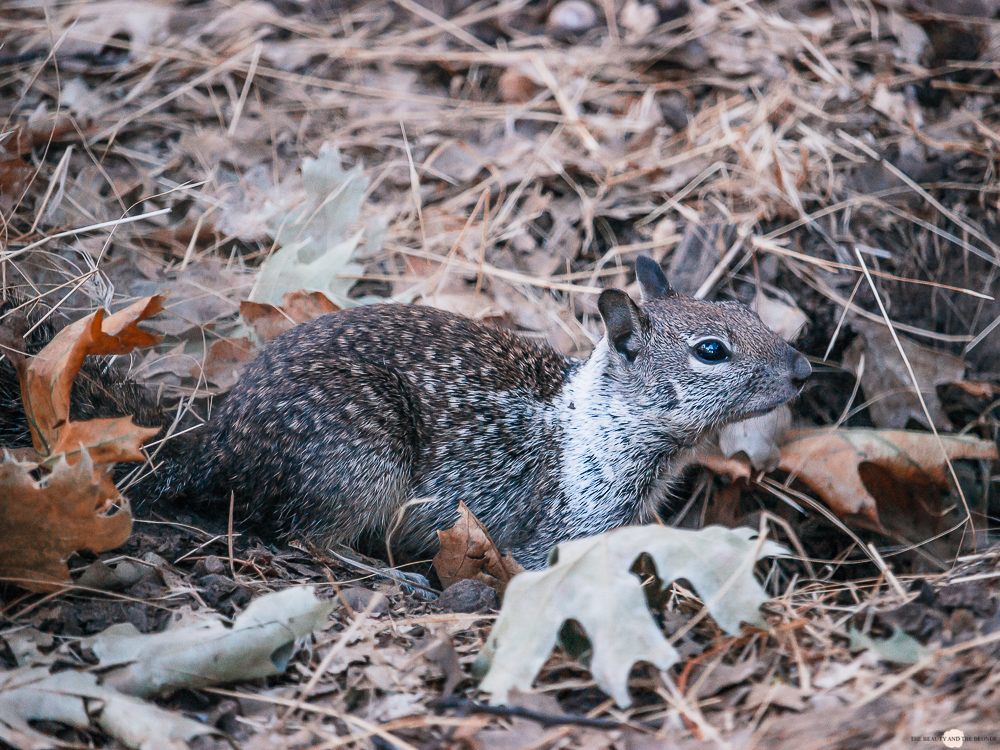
{"x":511,"y":160}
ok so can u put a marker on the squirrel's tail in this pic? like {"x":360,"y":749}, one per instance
{"x":102,"y":389}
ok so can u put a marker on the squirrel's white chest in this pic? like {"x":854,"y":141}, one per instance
{"x":607,"y":453}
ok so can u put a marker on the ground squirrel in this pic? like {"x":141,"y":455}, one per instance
{"x":343,"y":420}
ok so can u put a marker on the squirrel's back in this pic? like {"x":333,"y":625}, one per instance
{"x":365,"y":409}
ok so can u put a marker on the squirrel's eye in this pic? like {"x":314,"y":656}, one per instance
{"x":711,"y":351}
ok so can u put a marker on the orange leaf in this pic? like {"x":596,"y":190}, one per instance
{"x":48,"y":380}
{"x":225,"y":361}
{"x":44,"y":521}
{"x":106,"y":440}
{"x":828,"y":461}
{"x":269,"y":321}
{"x":468,"y":552}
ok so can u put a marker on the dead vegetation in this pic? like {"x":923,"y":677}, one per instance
{"x":833,"y":165}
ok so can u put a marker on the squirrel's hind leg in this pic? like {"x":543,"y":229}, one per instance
{"x":324,"y":451}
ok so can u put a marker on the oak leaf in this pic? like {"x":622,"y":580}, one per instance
{"x":828,"y":461}
{"x":42,"y":521}
{"x":468,"y":552}
{"x":47,"y":380}
{"x":268,"y":321}
{"x":74,"y":504}
{"x":317,"y":239}
{"x":591,"y":581}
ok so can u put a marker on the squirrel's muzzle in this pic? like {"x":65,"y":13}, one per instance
{"x":799,"y":366}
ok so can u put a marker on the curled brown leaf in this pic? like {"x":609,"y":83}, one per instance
{"x":47,"y":381}
{"x":467,"y":551}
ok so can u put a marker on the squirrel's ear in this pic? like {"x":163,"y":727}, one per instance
{"x":652,"y":281}
{"x":623,"y":320}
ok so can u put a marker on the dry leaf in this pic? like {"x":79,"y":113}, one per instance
{"x":776,"y":694}
{"x":34,"y":698}
{"x":442,"y":652}
{"x":47,"y":380}
{"x":317,"y":240}
{"x":175,"y":362}
{"x":784,"y":319}
{"x":207,"y":650}
{"x":15,"y":174}
{"x":591,"y":582}
{"x":268,"y":321}
{"x":516,"y":88}
{"x":979,"y":389}
{"x":225,"y":361}
{"x":828,"y":461}
{"x":468,"y":552}
{"x":722,"y":676}
{"x":201,"y":296}
{"x":758,"y":437}
{"x":43,"y":521}
{"x":887,"y":383}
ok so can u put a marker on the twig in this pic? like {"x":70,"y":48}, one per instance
{"x":545,"y":719}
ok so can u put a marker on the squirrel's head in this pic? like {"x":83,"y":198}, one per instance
{"x":700,"y":364}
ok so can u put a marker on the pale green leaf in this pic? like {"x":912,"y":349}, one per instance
{"x":317,"y":240}
{"x":257,"y":644}
{"x":899,"y":648}
{"x":591,"y":582}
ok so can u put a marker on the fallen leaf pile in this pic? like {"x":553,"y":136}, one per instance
{"x":73,"y":504}
{"x":591,"y":582}
{"x":317,"y":233}
{"x":196,"y":651}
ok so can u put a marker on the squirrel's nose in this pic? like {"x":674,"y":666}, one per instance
{"x":800,"y":367}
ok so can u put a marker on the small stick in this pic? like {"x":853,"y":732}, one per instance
{"x":545,"y":719}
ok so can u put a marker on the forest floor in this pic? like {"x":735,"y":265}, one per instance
{"x":508,"y":161}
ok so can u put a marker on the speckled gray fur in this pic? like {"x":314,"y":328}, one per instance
{"x":342,"y":421}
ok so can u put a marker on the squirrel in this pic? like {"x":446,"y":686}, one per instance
{"x":343,"y":420}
